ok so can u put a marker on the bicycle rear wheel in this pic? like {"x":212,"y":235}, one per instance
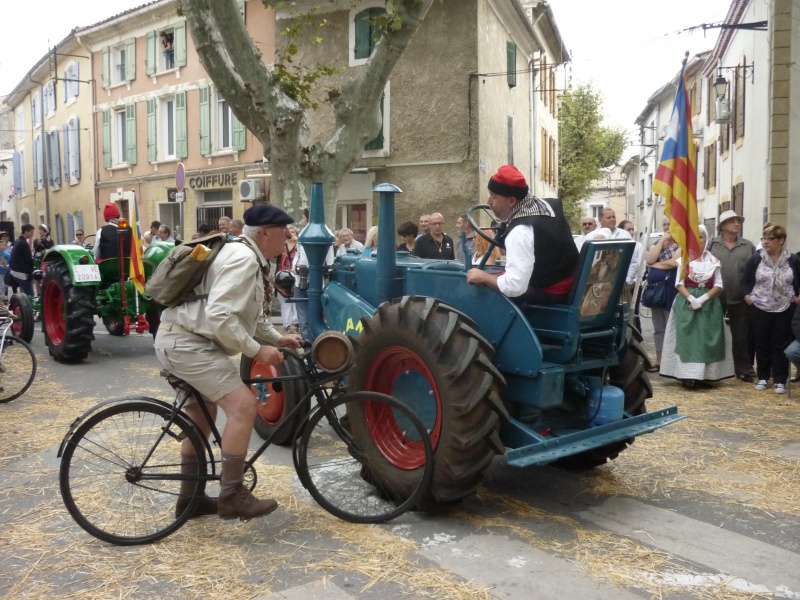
{"x":17,"y":368}
{"x":355,"y":476}
{"x":120,"y":472}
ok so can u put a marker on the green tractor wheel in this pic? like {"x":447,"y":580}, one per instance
{"x":67,"y":315}
{"x":630,"y":375}
{"x":429,"y":356}
{"x":20,"y":307}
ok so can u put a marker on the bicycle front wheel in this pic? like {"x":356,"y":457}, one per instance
{"x":359,"y":473}
{"x":17,"y":368}
{"x":121,"y":473}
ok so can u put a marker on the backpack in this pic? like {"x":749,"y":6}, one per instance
{"x":183,"y":268}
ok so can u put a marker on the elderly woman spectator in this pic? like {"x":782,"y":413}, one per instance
{"x":661,"y":259}
{"x":408,"y":232}
{"x":771,"y":287}
{"x":697,"y":345}
{"x":481,"y":246}
{"x":733,"y":251}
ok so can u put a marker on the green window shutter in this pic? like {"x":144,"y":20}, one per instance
{"x":106,"y":66}
{"x":205,"y":120}
{"x":511,"y":54}
{"x":363,"y":35}
{"x":182,"y":149}
{"x":377,"y":142}
{"x":179,"y":44}
{"x":240,"y":4}
{"x":239,"y":134}
{"x":150,"y":54}
{"x":152,"y":150}
{"x":107,"y":139}
{"x":130,"y":134}
{"x":130,"y":59}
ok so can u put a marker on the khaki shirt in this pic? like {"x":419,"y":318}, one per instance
{"x":733,"y":262}
{"x":233,"y":312}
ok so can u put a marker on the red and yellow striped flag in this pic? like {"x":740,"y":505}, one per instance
{"x":676,"y":177}
{"x":137,"y":253}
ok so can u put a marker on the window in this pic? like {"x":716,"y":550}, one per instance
{"x":53,"y":159}
{"x":167,"y":130}
{"x":510,"y":141}
{"x":511,"y":65}
{"x":711,"y":103}
{"x":20,"y":123}
{"x":166,"y":49}
{"x":379,"y":145}
{"x":72,"y":155}
{"x":19,"y":173}
{"x":119,"y":63}
{"x":710,"y":173}
{"x":36,"y":111}
{"x":225,"y":124}
{"x":543,"y":80}
{"x":364,"y":33}
{"x":71,"y":76}
{"x":119,"y":137}
{"x":38,"y":163}
{"x":120,"y":142}
{"x":169,"y":127}
{"x":212,"y":205}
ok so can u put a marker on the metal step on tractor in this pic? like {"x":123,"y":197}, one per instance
{"x":563,"y":384}
{"x":76,"y":287}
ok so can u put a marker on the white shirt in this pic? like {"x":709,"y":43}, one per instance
{"x":354,"y":245}
{"x":604,"y":233}
{"x":636,"y":261}
{"x":519,"y":262}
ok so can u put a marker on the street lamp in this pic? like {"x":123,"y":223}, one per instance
{"x":3,"y":168}
{"x":720,"y":86}
{"x":643,"y":166}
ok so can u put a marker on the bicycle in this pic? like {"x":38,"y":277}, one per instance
{"x":17,"y":363}
{"x":363,"y":456}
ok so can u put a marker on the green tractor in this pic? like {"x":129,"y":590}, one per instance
{"x":76,"y":287}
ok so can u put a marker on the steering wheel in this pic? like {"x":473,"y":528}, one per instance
{"x":86,"y":244}
{"x":487,"y":210}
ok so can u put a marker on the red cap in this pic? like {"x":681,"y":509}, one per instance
{"x":509,"y":182}
{"x":110,"y":211}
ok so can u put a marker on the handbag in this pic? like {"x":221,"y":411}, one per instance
{"x":655,"y":294}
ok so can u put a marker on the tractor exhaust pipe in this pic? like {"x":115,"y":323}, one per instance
{"x":316,"y":239}
{"x":388,"y":285}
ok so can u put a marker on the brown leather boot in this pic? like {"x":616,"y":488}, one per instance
{"x":207,"y":505}
{"x":235,"y":500}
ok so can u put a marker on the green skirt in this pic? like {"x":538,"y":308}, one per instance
{"x":699,"y":334}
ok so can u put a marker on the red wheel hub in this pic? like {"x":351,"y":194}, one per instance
{"x":16,"y":326}
{"x":387,"y":369}
{"x":272,"y":411}
{"x":53,"y":312}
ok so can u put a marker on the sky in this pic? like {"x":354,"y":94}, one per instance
{"x":627,"y":48}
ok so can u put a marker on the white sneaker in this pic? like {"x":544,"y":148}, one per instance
{"x":761,"y":385}
{"x":779,"y":388}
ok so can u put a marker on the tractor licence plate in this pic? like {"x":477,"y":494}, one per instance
{"x":87,"y":273}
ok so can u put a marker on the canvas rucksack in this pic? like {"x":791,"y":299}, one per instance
{"x":174,"y":279}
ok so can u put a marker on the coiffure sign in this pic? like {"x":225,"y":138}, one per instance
{"x":219,"y":180}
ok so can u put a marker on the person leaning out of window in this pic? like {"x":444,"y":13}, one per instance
{"x":771,"y":288}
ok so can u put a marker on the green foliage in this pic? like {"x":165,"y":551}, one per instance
{"x":585,"y":146}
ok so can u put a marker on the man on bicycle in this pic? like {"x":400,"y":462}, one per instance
{"x":197,"y":338}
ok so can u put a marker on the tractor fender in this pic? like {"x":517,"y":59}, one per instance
{"x":344,"y":308}
{"x":72,"y":256}
{"x":155,"y":253}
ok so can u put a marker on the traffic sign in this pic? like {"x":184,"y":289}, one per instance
{"x":180,"y":196}
{"x":180,"y":176}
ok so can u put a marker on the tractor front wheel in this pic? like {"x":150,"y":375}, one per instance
{"x":114,"y":326}
{"x":67,"y":315}
{"x":20,"y":307}
{"x":431,"y":357}
{"x":630,"y":375}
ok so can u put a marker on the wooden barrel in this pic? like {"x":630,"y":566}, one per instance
{"x":333,"y":352}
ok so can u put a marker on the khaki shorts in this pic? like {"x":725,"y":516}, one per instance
{"x":198,"y":361}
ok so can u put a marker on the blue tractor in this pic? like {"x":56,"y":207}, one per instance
{"x":563,"y":384}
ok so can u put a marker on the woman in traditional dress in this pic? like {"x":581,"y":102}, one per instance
{"x":771,"y":287}
{"x":697,"y":345}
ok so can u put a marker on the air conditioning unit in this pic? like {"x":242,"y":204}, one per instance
{"x":723,"y":112}
{"x":250,"y":189}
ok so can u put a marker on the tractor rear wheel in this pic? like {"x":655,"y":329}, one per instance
{"x":67,"y":315}
{"x":630,"y":375}
{"x":20,"y":307}
{"x":283,"y":397}
{"x":431,"y":357}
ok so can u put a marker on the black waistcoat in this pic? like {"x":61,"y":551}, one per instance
{"x":553,"y":247}
{"x":109,"y":242}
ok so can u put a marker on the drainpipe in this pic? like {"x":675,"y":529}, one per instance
{"x":316,"y":239}
{"x":532,"y":73}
